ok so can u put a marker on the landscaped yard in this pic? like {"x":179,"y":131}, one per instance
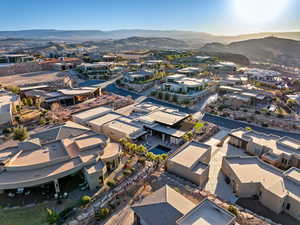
{"x":36,"y":215}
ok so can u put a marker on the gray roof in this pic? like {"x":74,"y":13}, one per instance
{"x":67,"y":130}
{"x":163,"y":207}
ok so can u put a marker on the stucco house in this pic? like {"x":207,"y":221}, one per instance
{"x":282,"y":152}
{"x":168,"y":207}
{"x":190,"y":161}
{"x":57,"y":153}
{"x":275,"y":189}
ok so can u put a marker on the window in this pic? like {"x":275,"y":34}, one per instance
{"x":288,"y":206}
{"x":284,"y":161}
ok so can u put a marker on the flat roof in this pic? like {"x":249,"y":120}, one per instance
{"x":293,"y":173}
{"x":49,"y":152}
{"x":167,"y":130}
{"x":111,"y":150}
{"x":190,"y":154}
{"x":292,"y":143}
{"x":33,"y":87}
{"x":90,"y":141}
{"x":265,"y":174}
{"x":224,"y":87}
{"x":93,"y":112}
{"x":207,"y":213}
{"x":280,"y":183}
{"x":169,"y":118}
{"x":104,"y":119}
{"x":238,"y":96}
{"x":77,"y":91}
{"x":176,"y":76}
{"x":127,"y":128}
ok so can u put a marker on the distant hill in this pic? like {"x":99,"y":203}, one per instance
{"x":126,"y":44}
{"x":269,"y":49}
{"x":195,"y":38}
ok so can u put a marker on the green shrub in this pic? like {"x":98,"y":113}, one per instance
{"x":52,"y":216}
{"x":85,"y":199}
{"x":102,"y":213}
{"x":20,"y":133}
{"x":42,"y":121}
{"x":111,"y":183}
{"x":127,"y":172}
{"x":233,"y":210}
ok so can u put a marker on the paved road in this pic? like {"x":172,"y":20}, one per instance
{"x":234,"y":124}
{"x":114,"y":89}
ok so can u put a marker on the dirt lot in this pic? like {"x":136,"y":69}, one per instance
{"x":32,"y":78}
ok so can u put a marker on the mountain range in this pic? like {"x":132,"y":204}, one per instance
{"x":269,"y":49}
{"x":194,"y":38}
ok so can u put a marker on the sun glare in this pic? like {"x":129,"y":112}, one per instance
{"x":259,"y":11}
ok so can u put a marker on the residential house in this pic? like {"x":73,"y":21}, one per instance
{"x":185,"y":88}
{"x":268,"y":77}
{"x":190,"y":71}
{"x":8,"y":106}
{"x":190,"y":162}
{"x":56,"y":153}
{"x":96,"y":71}
{"x":282,"y":152}
{"x":275,"y":189}
{"x":168,"y":207}
{"x":87,"y":115}
{"x":207,"y":213}
{"x":164,"y":207}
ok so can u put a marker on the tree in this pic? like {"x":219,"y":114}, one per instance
{"x":291,"y":102}
{"x":102,"y":213}
{"x":150,"y":156}
{"x":29,"y":101}
{"x":38,"y":103}
{"x":198,"y":126}
{"x":14,"y":89}
{"x":52,"y":216}
{"x":42,"y":121}
{"x":164,"y":156}
{"x":141,"y":149}
{"x":233,"y":210}
{"x":187,"y":136}
{"x":85,"y":199}
{"x":20,"y":133}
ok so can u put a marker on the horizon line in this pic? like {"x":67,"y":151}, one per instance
{"x":141,"y":29}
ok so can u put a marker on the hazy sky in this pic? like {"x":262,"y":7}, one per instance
{"x":213,"y":16}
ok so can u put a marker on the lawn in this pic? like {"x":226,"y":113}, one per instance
{"x":30,"y":216}
{"x":36,"y":215}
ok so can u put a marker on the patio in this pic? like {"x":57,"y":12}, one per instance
{"x":38,"y":194}
{"x":152,"y":141}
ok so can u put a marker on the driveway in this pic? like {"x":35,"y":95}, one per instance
{"x":202,"y":104}
{"x":216,"y":182}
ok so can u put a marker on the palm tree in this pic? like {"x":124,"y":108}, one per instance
{"x":142,"y":149}
{"x":150,"y":156}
